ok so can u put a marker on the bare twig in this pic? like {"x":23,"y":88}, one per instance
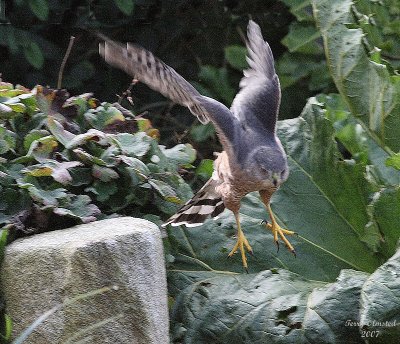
{"x":64,"y":61}
{"x":127,"y":93}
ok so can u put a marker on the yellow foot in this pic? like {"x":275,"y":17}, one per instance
{"x":278,"y":231}
{"x":241,"y":245}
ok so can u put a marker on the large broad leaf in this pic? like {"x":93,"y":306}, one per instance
{"x":325,"y":200}
{"x":370,"y":91}
{"x":269,"y":307}
{"x":277,"y":306}
{"x":380,"y":303}
{"x":361,"y":143}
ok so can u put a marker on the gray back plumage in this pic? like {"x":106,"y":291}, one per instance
{"x":257,"y":103}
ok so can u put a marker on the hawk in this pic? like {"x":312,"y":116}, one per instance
{"x":252,"y":159}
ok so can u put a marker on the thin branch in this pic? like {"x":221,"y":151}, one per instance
{"x":64,"y":61}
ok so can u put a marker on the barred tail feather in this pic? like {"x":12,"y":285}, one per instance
{"x":206,"y":203}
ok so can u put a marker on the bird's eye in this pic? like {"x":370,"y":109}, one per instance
{"x":283,"y":173}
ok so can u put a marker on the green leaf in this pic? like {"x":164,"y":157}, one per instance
{"x":46,"y":197}
{"x":3,"y":242}
{"x":359,"y":141}
{"x":302,"y":39}
{"x":136,"y":164}
{"x":164,"y":190}
{"x":394,"y":161}
{"x":205,"y":168}
{"x":380,"y":302}
{"x":201,"y":132}
{"x":269,"y":307}
{"x":101,"y":117}
{"x":7,"y":140}
{"x":78,"y":207}
{"x":385,"y":210}
{"x":88,"y":158}
{"x":90,"y":135}
{"x":217,"y":80}
{"x":105,"y":174}
{"x":5,"y":110}
{"x":40,"y":8}
{"x":42,"y":148}
{"x":15,"y":105}
{"x":333,"y":310}
{"x":102,"y":190}
{"x":63,"y":136}
{"x":235,"y":55}
{"x":33,"y":136}
{"x":301,"y":9}
{"x":181,"y":154}
{"x":34,"y":55}
{"x":126,"y":6}
{"x":135,"y":145}
{"x":370,"y":91}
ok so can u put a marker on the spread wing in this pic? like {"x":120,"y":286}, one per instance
{"x":143,"y":65}
{"x":257,"y":103}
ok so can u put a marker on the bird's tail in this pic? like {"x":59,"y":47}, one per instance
{"x":206,"y":203}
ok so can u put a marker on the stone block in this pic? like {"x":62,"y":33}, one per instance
{"x":125,"y":254}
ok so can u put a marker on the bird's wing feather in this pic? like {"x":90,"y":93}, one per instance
{"x":143,"y":65}
{"x":257,"y":103}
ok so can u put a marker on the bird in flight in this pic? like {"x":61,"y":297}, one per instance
{"x":252,"y":159}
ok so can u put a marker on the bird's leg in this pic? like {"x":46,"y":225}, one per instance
{"x":277,"y":231}
{"x":241,"y":243}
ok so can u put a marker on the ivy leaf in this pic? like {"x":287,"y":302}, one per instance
{"x":42,"y":148}
{"x":164,"y":190}
{"x":63,"y":136}
{"x":88,"y":158}
{"x":58,"y":170}
{"x":102,"y":190}
{"x":32,"y":136}
{"x":46,"y":197}
{"x":136,"y":164}
{"x":102,"y":116}
{"x":105,"y":174}
{"x":90,"y":135}
{"x":7,"y":140}
{"x":181,"y":154}
{"x":135,"y":145}
{"x":78,"y":207}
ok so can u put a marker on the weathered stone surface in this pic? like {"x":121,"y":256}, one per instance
{"x":40,"y":272}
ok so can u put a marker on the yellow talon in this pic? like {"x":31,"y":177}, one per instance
{"x":278,"y":230}
{"x":241,"y":244}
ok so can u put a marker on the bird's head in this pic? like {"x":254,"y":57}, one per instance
{"x":270,"y":165}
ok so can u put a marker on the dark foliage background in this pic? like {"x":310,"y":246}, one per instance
{"x":189,"y":35}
